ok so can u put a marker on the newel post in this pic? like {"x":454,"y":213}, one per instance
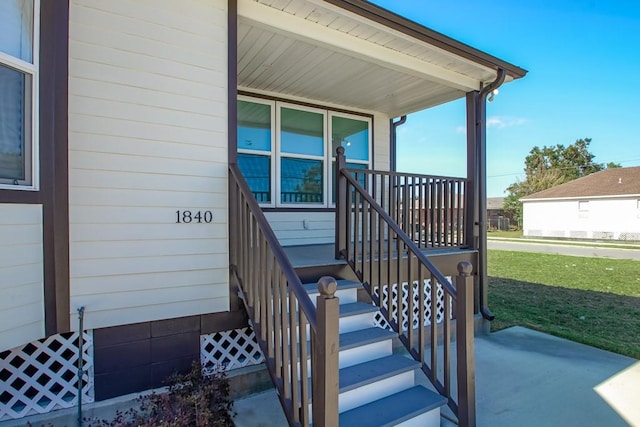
{"x":324,"y":363}
{"x":341,"y":203}
{"x":465,"y":351}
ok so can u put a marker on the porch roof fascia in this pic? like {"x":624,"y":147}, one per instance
{"x":420,"y":32}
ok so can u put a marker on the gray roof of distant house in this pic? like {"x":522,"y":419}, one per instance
{"x":495,"y":202}
{"x":609,"y":182}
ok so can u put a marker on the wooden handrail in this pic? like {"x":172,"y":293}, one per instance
{"x":400,"y":279}
{"x":416,"y":175}
{"x":280,"y":310}
{"x":406,"y":240}
{"x":287,"y":269}
{"x":429,"y":208}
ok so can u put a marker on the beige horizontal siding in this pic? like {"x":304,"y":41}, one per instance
{"x":381,"y":132}
{"x":290,"y":230}
{"x":147,"y":137}
{"x":21,"y":275}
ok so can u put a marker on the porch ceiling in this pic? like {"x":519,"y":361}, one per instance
{"x":315,"y":50}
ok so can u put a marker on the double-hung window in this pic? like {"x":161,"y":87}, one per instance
{"x":286,"y":152}
{"x":18,"y":93}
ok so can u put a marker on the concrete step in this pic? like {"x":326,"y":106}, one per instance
{"x":415,"y":406}
{"x":372,"y":380}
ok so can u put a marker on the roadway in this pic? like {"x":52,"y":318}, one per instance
{"x":595,"y":250}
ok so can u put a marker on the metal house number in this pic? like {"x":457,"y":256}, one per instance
{"x":193,"y":217}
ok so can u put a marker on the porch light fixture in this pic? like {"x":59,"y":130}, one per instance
{"x":492,"y":94}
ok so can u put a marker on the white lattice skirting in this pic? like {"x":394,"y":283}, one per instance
{"x":43,"y":376}
{"x":230,"y":349}
{"x":382,"y":322}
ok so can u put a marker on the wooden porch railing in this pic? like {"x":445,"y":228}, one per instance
{"x":283,"y":315}
{"x":428,"y":208}
{"x":388,"y":261}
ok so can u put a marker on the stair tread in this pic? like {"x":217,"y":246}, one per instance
{"x":355,"y":308}
{"x":312,"y":287}
{"x":364,"y":336}
{"x":361,"y":337}
{"x":365,"y":373}
{"x":394,"y":409}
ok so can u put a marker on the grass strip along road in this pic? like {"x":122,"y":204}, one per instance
{"x":595,"y":301}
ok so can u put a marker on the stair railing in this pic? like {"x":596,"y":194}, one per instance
{"x":428,"y":208}
{"x":393,"y":268}
{"x":282,"y":313}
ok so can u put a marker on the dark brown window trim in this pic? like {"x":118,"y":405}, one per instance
{"x":54,"y":187}
{"x":232,"y":80}
{"x":27,"y":197}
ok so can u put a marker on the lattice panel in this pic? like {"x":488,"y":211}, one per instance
{"x":42,"y":376}
{"x":230,"y":349}
{"x":381,"y":322}
{"x":629,"y":236}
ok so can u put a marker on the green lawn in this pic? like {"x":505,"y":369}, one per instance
{"x":595,"y":301}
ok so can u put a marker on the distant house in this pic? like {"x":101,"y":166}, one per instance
{"x":495,"y":214}
{"x":603,"y":205}
{"x":495,"y":206}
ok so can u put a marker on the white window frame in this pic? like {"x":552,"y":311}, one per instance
{"x":272,"y":160}
{"x":280,"y":154}
{"x":31,"y":147}
{"x":328,"y":157}
{"x":332,"y":157}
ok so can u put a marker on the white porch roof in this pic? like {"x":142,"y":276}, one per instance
{"x":354,"y":54}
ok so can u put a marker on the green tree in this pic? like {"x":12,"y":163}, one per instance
{"x":547,"y":167}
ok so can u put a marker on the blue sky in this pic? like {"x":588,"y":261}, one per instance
{"x":583,"y":59}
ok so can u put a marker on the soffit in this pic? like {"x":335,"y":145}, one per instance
{"x":315,"y":50}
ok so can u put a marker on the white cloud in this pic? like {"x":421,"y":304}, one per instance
{"x":501,"y":122}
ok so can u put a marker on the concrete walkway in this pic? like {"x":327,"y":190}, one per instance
{"x":525,"y":378}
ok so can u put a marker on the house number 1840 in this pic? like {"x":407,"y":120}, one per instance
{"x":196,"y":217}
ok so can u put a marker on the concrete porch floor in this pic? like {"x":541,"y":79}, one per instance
{"x":525,"y":378}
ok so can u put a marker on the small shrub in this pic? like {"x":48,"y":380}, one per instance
{"x":197,"y":398}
